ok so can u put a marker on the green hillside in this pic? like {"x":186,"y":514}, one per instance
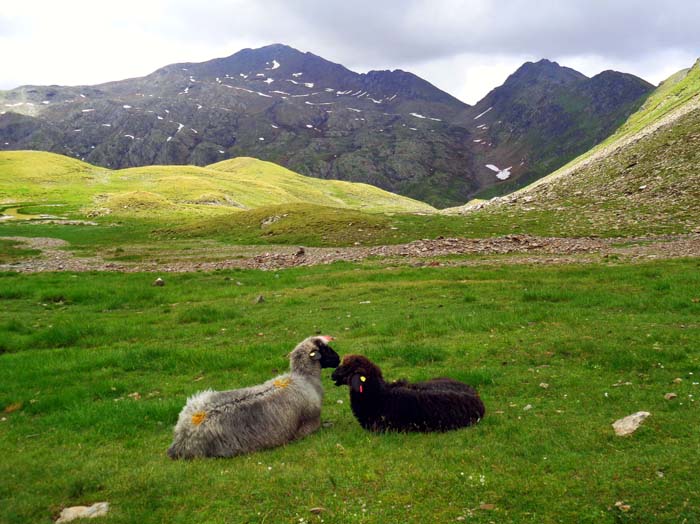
{"x":188,"y":191}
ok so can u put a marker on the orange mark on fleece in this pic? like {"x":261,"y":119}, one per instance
{"x":198,"y":418}
{"x":282,"y":382}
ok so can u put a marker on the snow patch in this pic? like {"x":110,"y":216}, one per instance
{"x":169,"y":139}
{"x":126,"y":106}
{"x":269,"y":80}
{"x":274,"y":126}
{"x":275,"y":65}
{"x":355,"y":110}
{"x":418,"y":115}
{"x":482,"y":114}
{"x":129,"y":136}
{"x":261,"y":138}
{"x":309,"y":84}
{"x":501,"y":174}
{"x":87,"y":110}
{"x":297,"y":75}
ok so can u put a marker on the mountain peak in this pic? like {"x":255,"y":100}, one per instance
{"x":545,"y":70}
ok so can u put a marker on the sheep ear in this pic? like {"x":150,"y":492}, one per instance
{"x":356,"y":382}
{"x":315,"y":355}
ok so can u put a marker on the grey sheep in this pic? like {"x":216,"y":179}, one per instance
{"x":238,"y":421}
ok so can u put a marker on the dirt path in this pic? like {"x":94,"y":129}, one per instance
{"x":511,"y":249}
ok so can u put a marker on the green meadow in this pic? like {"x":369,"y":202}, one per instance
{"x":95,"y":367}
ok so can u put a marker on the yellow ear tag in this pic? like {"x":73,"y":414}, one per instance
{"x":312,"y":354}
{"x":363,"y":379}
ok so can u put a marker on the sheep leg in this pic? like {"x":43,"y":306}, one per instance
{"x":307,"y":426}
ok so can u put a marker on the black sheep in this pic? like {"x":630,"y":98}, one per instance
{"x":439,"y":404}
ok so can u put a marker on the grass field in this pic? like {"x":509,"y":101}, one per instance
{"x":94,"y":369}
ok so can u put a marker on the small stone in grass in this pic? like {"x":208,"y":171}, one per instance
{"x":629,"y":424}
{"x":622,"y":506}
{"x":670,"y":396}
{"x":487,"y":507}
{"x":98,"y":509}
{"x":317,"y":511}
{"x":159,"y":282}
{"x":544,"y":385}
{"x":677,"y":380}
{"x":260,"y":299}
{"x":11,"y":408}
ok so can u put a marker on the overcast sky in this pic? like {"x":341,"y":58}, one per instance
{"x":465,"y":47}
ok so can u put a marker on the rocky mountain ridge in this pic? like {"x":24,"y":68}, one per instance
{"x":391,"y":129}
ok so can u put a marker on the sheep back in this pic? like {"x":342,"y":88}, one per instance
{"x":228,"y":423}
{"x":425,"y":406}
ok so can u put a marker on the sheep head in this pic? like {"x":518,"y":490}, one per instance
{"x":359,"y":373}
{"x":313,"y":353}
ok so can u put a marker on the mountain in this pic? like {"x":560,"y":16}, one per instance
{"x":390,"y":129}
{"x":545,"y":114}
{"x":643,"y":179}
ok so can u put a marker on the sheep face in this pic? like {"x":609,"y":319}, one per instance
{"x":325,"y":354}
{"x":312,"y":352}
{"x":359,"y":373}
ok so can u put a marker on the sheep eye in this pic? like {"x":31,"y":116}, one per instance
{"x":312,"y":354}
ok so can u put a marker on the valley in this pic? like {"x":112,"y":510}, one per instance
{"x":277,"y":195}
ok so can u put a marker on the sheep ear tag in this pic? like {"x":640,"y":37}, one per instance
{"x":356,"y":383}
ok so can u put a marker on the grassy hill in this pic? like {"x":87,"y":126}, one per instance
{"x":187,"y":191}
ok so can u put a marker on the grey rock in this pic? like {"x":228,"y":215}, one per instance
{"x":99,"y":509}
{"x":629,"y":424}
